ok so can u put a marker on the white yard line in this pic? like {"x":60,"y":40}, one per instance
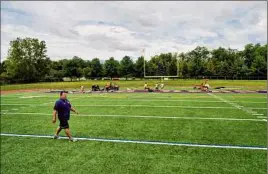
{"x":257,"y":114}
{"x":145,"y":116}
{"x":112,"y":99}
{"x":225,"y":101}
{"x":150,"y":100}
{"x":247,"y":110}
{"x":261,"y":117}
{"x":146,"y":106}
{"x":143,"y":142}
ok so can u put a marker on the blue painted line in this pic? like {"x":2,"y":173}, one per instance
{"x":143,"y":142}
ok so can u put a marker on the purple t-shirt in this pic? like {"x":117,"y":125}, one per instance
{"x":63,"y":107}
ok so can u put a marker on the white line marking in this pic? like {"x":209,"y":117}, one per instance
{"x":45,"y":103}
{"x":146,"y":99}
{"x":18,"y":104}
{"x":247,"y":110}
{"x":164,"y":106}
{"x":261,"y":117}
{"x":197,"y":101}
{"x":148,"y":116}
{"x":225,"y":101}
{"x":143,"y":142}
{"x":148,"y":106}
{"x":257,"y":114}
{"x":30,"y":96}
{"x":191,"y":96}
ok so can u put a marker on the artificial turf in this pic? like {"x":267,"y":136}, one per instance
{"x":119,"y":116}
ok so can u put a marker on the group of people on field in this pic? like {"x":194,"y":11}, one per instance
{"x":204,"y":86}
{"x":108,"y":87}
{"x":157,"y":86}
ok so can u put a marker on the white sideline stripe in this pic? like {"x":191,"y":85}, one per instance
{"x":257,"y":114}
{"x":147,"y":116}
{"x":142,"y":142}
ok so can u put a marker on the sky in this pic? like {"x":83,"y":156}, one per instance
{"x":89,"y":29}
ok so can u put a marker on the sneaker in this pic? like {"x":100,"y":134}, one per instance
{"x":56,"y":137}
{"x":72,"y":140}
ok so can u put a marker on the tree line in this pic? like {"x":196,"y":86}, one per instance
{"x":27,"y":61}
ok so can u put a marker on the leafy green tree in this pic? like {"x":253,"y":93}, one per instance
{"x":73,"y":68}
{"x":97,"y":69}
{"x":139,"y":67}
{"x":126,"y":67}
{"x":27,"y":60}
{"x":111,"y":68}
{"x":87,"y":72}
{"x":259,"y":66}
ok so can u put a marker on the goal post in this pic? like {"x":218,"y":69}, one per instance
{"x":148,"y":58}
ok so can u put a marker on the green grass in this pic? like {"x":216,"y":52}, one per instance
{"x":31,"y":155}
{"x":172,"y":84}
{"x":37,"y":155}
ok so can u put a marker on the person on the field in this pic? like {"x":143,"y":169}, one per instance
{"x":156,"y":86}
{"x":82,"y":89}
{"x":162,"y":86}
{"x":146,"y":86}
{"x":116,"y":87}
{"x":62,"y":108}
{"x":108,"y":86}
{"x":206,"y":86}
{"x":95,"y":88}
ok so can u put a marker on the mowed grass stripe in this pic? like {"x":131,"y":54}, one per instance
{"x":145,"y":116}
{"x":140,"y":95}
{"x":105,"y":157}
{"x":145,"y":97}
{"x":253,"y":105}
{"x":132,"y":105}
{"x":182,"y":130}
{"x":186,"y":112}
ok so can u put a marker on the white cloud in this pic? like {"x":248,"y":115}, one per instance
{"x":105,"y":29}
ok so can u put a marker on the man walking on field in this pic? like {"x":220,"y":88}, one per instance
{"x":62,"y":108}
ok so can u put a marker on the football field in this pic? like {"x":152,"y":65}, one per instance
{"x":204,"y":133}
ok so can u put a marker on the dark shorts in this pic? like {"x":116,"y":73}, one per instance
{"x":64,"y":124}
